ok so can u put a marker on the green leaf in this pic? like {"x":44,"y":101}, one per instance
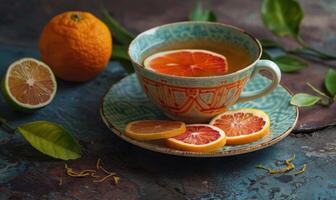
{"x":288,"y":63}
{"x":325,"y":99}
{"x":118,"y":32}
{"x":269,"y":44}
{"x":120,"y":52}
{"x":51,"y":139}
{"x":201,"y":14}
{"x":319,"y":92}
{"x":330,"y":82}
{"x":282,"y":17}
{"x":304,"y":100}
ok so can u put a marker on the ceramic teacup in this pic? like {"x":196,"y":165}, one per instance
{"x":198,"y":99}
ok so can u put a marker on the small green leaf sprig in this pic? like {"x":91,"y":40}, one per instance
{"x":306,"y":100}
{"x":283,"y":18}
{"x":48,"y":138}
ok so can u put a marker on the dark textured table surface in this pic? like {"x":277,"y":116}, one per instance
{"x":26,"y":174}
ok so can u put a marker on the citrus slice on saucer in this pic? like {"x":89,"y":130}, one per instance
{"x":154,"y":129}
{"x":187,"y":62}
{"x":29,"y":84}
{"x":243,"y":126}
{"x":199,"y":138}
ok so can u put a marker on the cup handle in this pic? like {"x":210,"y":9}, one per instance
{"x":276,"y":77}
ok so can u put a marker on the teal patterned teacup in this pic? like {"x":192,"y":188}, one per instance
{"x":198,"y":99}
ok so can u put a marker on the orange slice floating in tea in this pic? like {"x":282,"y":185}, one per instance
{"x":29,"y":84}
{"x":187,"y":62}
{"x":154,"y":129}
{"x":243,"y":126}
{"x":199,"y":138}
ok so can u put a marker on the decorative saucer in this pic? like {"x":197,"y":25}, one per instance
{"x":125,"y":101}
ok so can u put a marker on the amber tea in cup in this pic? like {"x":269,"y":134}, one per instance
{"x":200,"y":54}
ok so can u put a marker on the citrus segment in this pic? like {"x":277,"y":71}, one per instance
{"x":187,"y":62}
{"x":29,"y":84}
{"x":198,"y":137}
{"x":243,"y":126}
{"x":154,"y":129}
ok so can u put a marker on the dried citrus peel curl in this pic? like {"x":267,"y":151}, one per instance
{"x":302,"y":170}
{"x":92,"y":173}
{"x":289,"y":166}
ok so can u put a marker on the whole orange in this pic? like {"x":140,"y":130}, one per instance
{"x":76,"y":45}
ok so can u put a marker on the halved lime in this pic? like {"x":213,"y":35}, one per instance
{"x":29,"y":84}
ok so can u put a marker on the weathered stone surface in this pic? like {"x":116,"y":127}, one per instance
{"x":26,"y":174}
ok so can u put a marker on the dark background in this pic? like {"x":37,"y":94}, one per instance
{"x":26,"y":174}
{"x":22,"y":21}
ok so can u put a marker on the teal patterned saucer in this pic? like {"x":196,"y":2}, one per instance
{"x":126,"y":102}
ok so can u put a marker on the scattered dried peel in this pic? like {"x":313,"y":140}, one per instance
{"x":99,"y":165}
{"x":289,"y":166}
{"x":290,"y":159}
{"x":302,"y":170}
{"x":104,"y":178}
{"x":116,"y":179}
{"x":83,"y":173}
{"x":92,"y":173}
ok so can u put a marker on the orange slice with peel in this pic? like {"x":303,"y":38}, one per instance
{"x":243,"y":126}
{"x":29,"y":84}
{"x":154,"y":129}
{"x":187,"y":62}
{"x":199,"y":138}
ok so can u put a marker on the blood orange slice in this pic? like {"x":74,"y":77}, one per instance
{"x":187,"y":62}
{"x":154,"y":129}
{"x":29,"y":84}
{"x":198,"y":137}
{"x":243,"y":126}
